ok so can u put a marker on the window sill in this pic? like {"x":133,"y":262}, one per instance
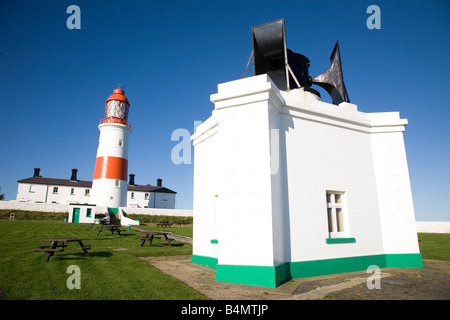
{"x":214,"y":241}
{"x":340,"y":240}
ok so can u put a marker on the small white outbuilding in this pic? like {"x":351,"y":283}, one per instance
{"x":287,"y":186}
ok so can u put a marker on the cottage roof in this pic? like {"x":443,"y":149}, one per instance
{"x":88,"y":184}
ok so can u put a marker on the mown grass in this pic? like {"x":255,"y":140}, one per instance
{"x":434,"y":246}
{"x":114,"y":270}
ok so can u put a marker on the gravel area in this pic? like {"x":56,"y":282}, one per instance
{"x":431,"y":282}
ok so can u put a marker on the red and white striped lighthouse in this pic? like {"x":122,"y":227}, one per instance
{"x":109,"y":186}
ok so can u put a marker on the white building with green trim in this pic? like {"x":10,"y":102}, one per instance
{"x":287,"y":186}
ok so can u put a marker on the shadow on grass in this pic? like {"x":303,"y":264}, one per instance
{"x":81,"y":255}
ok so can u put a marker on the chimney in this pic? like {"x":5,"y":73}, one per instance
{"x":159,"y":182}
{"x":36,"y":172}
{"x":74,"y":174}
{"x":131,"y":181}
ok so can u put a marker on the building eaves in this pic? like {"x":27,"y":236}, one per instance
{"x":88,"y":184}
{"x":57,"y":182}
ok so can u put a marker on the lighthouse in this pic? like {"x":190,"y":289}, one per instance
{"x":109,"y":185}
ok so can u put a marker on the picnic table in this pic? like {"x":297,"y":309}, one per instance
{"x":112,"y":227}
{"x":58,"y":245}
{"x":164,"y":223}
{"x":181,"y":222}
{"x":150,"y":234}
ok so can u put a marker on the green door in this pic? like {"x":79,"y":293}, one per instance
{"x":76,"y":215}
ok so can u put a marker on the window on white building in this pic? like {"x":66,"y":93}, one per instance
{"x":117,"y":184}
{"x":336,"y":213}
{"x":132,"y":195}
{"x":55,"y":189}
{"x":147,"y":196}
{"x":120,"y":143}
{"x":72,"y":191}
{"x":32,"y":189}
{"x":87,"y":192}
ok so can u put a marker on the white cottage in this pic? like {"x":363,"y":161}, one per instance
{"x":287,"y":186}
{"x":38,"y":189}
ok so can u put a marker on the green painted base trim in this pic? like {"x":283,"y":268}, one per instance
{"x":265,"y":276}
{"x":204,"y":261}
{"x":273,"y":276}
{"x":305,"y":269}
{"x":340,"y":240}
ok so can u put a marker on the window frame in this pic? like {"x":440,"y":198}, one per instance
{"x":337,"y":210}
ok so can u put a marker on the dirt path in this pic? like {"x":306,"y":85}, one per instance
{"x":431,"y":282}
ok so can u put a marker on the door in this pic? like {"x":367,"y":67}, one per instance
{"x":76,"y":215}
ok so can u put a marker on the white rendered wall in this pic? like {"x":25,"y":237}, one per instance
{"x":83,"y":217}
{"x":45,"y":194}
{"x":394,"y":193}
{"x":30,"y":206}
{"x":272,"y":210}
{"x":326,"y":153}
{"x":206,"y":189}
{"x":38,"y":194}
{"x":433,"y":226}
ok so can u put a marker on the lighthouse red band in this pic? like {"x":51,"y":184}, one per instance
{"x":111,"y":168}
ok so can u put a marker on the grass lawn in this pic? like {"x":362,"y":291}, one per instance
{"x":435,"y":246}
{"x":114,"y":270}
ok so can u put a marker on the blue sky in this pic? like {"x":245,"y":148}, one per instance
{"x":170,"y":55}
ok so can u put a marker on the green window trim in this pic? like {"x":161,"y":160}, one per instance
{"x":340,"y":240}
{"x":214,"y":241}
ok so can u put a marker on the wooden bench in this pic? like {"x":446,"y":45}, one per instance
{"x":58,"y":245}
{"x":48,"y":250}
{"x":112,"y":227}
{"x":164,"y":223}
{"x":150,"y":235}
{"x":181,"y":222}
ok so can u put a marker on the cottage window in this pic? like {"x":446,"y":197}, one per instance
{"x":87,"y":192}
{"x":336,"y":213}
{"x":55,"y":189}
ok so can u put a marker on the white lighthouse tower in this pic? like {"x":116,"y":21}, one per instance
{"x":109,"y":185}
